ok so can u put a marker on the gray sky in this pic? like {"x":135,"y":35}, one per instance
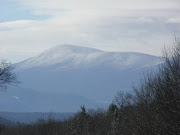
{"x":28,"y":27}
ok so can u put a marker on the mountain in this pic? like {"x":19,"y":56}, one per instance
{"x":67,"y":57}
{"x":12,"y":118}
{"x":17,"y":99}
{"x":66,"y":76}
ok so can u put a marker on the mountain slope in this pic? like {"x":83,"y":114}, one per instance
{"x":18,"y":99}
{"x":92,"y":76}
{"x":66,"y":57}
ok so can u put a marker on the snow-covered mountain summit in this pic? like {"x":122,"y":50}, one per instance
{"x":65,"y":57}
{"x":66,"y":77}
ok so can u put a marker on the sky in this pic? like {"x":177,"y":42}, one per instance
{"x":28,"y":27}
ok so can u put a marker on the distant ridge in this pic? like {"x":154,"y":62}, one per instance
{"x":64,"y":77}
{"x":77,"y":57}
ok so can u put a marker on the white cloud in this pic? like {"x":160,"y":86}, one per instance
{"x":145,"y":20}
{"x":111,"y":25}
{"x":174,"y":19}
{"x":17,"y":24}
{"x":101,"y":4}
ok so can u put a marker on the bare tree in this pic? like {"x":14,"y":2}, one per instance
{"x":123,"y":99}
{"x":7,"y":77}
{"x":158,"y":96}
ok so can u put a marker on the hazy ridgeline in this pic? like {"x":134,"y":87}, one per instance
{"x":32,"y":117}
{"x":152,"y":109}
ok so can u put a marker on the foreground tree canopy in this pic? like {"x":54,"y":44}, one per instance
{"x":152,"y":109}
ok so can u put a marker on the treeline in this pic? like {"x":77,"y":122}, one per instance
{"x":152,"y":109}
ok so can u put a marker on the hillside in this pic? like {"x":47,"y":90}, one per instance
{"x":65,"y":77}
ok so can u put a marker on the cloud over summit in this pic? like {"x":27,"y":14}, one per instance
{"x":112,"y":25}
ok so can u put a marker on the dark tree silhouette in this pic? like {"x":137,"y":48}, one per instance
{"x":7,"y":77}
